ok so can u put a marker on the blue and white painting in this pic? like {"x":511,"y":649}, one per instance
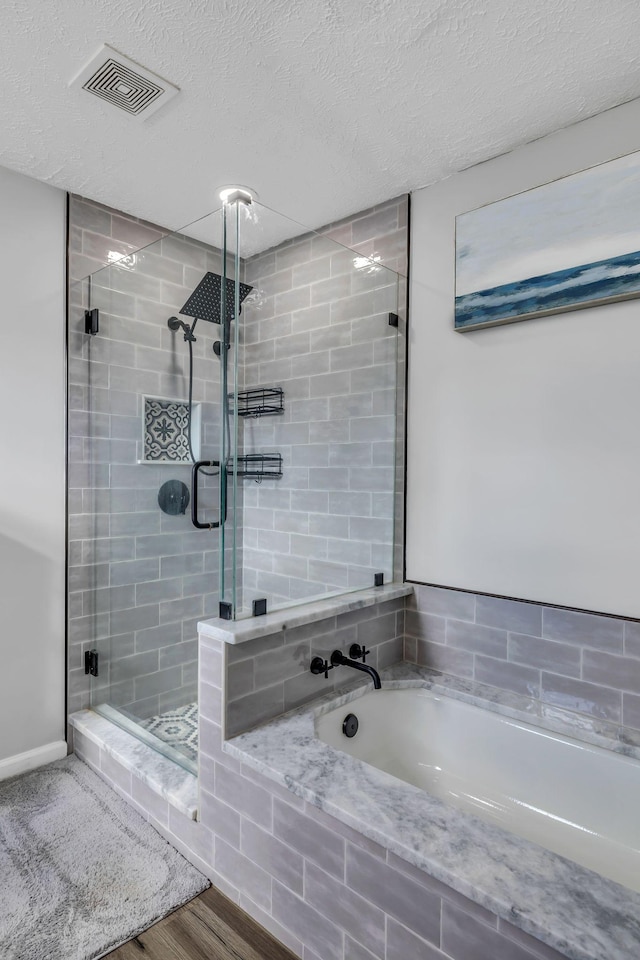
{"x":566,"y":245}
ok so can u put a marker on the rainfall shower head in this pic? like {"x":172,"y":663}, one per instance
{"x":205,"y":301}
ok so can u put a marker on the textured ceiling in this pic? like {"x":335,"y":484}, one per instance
{"x":324,"y":107}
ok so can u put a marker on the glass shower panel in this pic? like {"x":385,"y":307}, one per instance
{"x":233,"y":294}
{"x":316,"y":356}
{"x":145,"y":403}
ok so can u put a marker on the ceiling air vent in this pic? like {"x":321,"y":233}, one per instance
{"x":125,"y":84}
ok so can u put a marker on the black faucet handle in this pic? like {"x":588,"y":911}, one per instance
{"x":357,"y":652}
{"x":318,"y":666}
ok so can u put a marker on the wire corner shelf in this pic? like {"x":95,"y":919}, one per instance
{"x":258,"y":466}
{"x":260,"y":402}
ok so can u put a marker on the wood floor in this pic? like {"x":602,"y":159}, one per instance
{"x":211,"y":927}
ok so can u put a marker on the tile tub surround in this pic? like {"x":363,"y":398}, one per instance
{"x":262,"y":840}
{"x":314,"y":883}
{"x":328,"y":890}
{"x":565,"y":658}
{"x":567,"y":908}
{"x":270,"y":674}
{"x":139,"y":580}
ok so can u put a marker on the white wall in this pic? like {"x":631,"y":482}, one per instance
{"x":524,"y":439}
{"x":32,"y":472}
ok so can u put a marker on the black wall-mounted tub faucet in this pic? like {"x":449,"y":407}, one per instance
{"x":338,"y":659}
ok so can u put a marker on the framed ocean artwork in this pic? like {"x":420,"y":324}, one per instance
{"x":567,"y":245}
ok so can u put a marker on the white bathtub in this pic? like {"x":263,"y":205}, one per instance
{"x":580,"y":801}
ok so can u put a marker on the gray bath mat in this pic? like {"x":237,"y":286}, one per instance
{"x":80,"y":870}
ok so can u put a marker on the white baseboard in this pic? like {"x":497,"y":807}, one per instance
{"x":22,"y":762}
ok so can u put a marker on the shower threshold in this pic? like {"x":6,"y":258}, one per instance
{"x":174,"y":734}
{"x":131,"y":764}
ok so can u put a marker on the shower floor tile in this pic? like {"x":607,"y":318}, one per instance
{"x":178,"y":727}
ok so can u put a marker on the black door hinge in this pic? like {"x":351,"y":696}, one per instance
{"x":225,"y":610}
{"x":260,"y":607}
{"x":91,"y":662}
{"x":92,"y":322}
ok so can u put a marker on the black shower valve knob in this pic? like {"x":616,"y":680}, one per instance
{"x":357,"y":652}
{"x":318,"y":666}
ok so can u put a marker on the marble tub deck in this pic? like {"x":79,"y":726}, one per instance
{"x":571,"y":909}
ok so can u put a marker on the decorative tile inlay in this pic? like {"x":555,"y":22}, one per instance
{"x":166,"y":430}
{"x":178,"y":727}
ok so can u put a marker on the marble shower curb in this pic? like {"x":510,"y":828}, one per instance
{"x":165,"y":778}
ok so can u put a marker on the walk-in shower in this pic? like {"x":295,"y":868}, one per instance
{"x":232,"y":435}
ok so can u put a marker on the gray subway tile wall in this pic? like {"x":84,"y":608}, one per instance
{"x":139,"y":580}
{"x":466,"y":937}
{"x":312,"y":841}
{"x":401,"y":944}
{"x":268,"y":676}
{"x":319,"y":329}
{"x":582,"y":662}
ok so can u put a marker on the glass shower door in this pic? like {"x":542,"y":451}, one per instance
{"x":145,"y":403}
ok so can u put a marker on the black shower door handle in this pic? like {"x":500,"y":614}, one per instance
{"x":198,"y":465}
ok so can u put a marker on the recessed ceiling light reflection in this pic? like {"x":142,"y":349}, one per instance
{"x":368,"y":264}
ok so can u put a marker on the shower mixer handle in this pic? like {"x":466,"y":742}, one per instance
{"x":318,"y":666}
{"x":357,"y":652}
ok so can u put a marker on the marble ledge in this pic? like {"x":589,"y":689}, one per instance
{"x":175,"y":785}
{"x":575,"y":911}
{"x":239,"y":631}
